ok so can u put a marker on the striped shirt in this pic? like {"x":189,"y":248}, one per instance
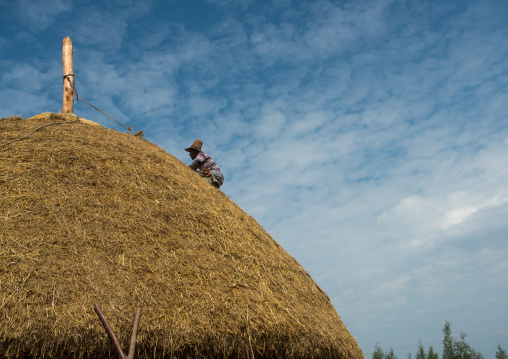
{"x":206,"y":162}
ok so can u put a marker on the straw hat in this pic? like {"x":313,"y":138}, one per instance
{"x":195,"y":146}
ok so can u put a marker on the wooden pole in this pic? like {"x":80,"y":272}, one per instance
{"x":110,"y":331}
{"x":132,"y":348}
{"x":68,"y":72}
{"x":114,"y":339}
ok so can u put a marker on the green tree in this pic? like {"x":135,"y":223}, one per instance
{"x":462,"y":350}
{"x":378,"y":352}
{"x":457,"y":349}
{"x":420,"y":353}
{"x":447,"y":341}
{"x":501,"y":353}
{"x":390,"y":355}
{"x":432,"y":354}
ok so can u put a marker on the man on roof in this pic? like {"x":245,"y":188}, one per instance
{"x":205,"y":164}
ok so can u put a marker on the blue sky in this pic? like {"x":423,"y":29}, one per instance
{"x":369,"y":138}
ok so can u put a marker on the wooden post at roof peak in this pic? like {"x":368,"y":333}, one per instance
{"x":68,"y":72}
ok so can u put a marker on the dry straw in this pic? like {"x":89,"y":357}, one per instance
{"x":90,"y":215}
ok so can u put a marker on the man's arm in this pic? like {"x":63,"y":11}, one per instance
{"x":194,"y":165}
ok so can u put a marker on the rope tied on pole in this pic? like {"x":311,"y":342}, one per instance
{"x":75,"y":93}
{"x":72,"y":83}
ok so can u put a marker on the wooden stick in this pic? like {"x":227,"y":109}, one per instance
{"x":68,"y":72}
{"x":132,"y":348}
{"x":248,"y":331}
{"x":110,"y":332}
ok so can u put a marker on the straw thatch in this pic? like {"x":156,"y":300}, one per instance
{"x":90,"y":215}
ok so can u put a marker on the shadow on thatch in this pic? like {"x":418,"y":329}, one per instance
{"x":90,"y":215}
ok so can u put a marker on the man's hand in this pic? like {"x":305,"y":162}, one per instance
{"x":206,"y":173}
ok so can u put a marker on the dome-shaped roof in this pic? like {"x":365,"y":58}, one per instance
{"x":90,"y":215}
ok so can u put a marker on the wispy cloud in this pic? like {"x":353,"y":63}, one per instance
{"x":369,"y":138}
{"x":37,"y":15}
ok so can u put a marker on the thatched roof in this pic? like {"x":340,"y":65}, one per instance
{"x":90,"y":215}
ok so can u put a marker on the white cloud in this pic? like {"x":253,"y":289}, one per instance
{"x":231,"y":3}
{"x":368,"y":138}
{"x":93,"y":24}
{"x":38,"y":15}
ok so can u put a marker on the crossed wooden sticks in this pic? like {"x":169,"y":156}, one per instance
{"x":113,"y":337}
